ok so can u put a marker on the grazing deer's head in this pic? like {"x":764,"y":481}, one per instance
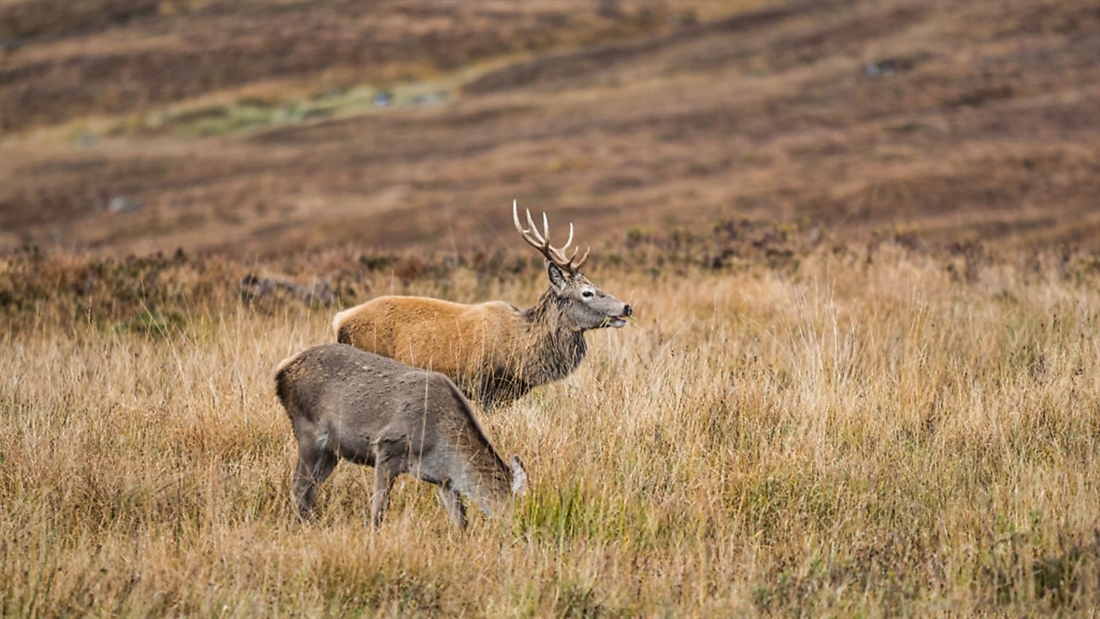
{"x":581,"y":302}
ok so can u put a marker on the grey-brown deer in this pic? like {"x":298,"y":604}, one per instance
{"x":494,"y":351}
{"x":345,"y":403}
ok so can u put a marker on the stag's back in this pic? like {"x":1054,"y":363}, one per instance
{"x":457,"y":340}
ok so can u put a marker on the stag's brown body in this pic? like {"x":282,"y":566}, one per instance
{"x":494,"y":351}
{"x":345,"y":403}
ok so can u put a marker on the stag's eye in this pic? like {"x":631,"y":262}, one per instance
{"x":587,"y":294}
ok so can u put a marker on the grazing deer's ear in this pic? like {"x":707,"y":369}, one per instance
{"x":557,"y":278}
{"x":519,"y":477}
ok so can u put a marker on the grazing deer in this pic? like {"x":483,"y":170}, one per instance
{"x":359,"y":406}
{"x":494,"y":351}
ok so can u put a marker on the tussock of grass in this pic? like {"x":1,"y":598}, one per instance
{"x":841,"y":435}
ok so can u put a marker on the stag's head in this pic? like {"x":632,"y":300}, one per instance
{"x":582,"y":302}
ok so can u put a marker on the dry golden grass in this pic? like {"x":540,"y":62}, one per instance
{"x":899,"y":435}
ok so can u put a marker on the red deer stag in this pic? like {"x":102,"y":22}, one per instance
{"x":346,"y":403}
{"x":494,"y":351}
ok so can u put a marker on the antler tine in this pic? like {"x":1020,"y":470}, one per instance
{"x":515,"y":217}
{"x":534,"y":231}
{"x":531,"y":235}
{"x":569,"y":240}
{"x":576,"y":265}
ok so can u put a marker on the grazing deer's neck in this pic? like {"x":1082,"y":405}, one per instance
{"x":476,"y":468}
{"x":481,"y":474}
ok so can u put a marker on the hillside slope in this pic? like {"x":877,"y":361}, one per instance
{"x":258,"y":128}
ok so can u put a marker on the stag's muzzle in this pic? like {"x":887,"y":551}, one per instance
{"x":619,"y":321}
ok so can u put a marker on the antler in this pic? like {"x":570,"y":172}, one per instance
{"x":541,"y":242}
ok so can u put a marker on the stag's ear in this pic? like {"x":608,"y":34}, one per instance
{"x":519,"y":477}
{"x":557,"y":278}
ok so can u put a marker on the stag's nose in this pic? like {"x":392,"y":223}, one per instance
{"x":628,"y":310}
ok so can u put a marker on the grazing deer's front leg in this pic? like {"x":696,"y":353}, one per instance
{"x":315,"y":464}
{"x":453,"y":503}
{"x":389,"y":462}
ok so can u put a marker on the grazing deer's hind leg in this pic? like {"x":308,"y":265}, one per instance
{"x":389,"y":462}
{"x":453,"y":503}
{"x":314,"y":466}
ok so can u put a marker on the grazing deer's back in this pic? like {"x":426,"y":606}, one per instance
{"x":344,"y":378}
{"x":349,"y":394}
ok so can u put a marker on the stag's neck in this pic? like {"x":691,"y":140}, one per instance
{"x":555,"y":346}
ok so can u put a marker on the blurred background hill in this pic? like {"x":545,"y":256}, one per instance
{"x":257,"y":128}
